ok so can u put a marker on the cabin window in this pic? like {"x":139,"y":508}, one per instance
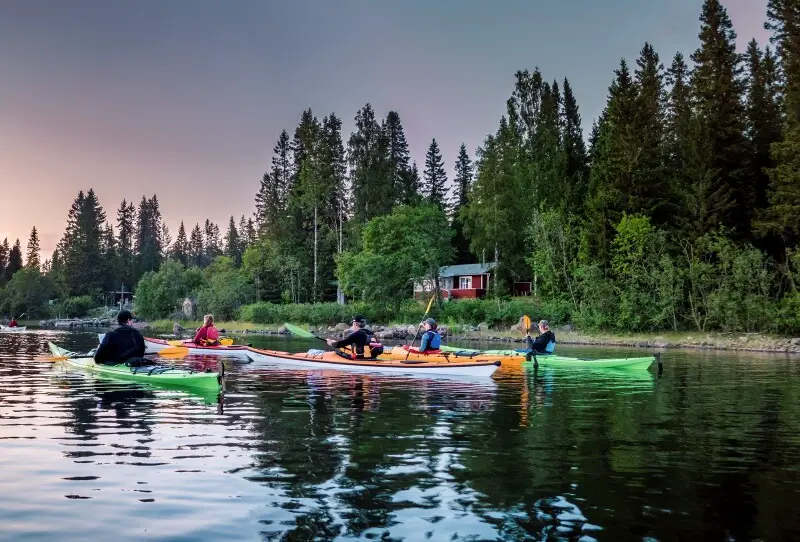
{"x":465,"y":283}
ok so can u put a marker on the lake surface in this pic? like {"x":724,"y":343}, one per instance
{"x":708,"y":450}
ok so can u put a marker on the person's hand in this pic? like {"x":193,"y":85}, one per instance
{"x":331,"y":342}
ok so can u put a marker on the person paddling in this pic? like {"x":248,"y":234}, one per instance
{"x":358,"y":341}
{"x":13,"y":322}
{"x":545,"y":342}
{"x":431,"y":340}
{"x":123,"y":345}
{"x":208,"y":334}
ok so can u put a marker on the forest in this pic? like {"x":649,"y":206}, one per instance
{"x":679,"y":211}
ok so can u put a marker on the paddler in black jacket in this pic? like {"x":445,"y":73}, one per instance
{"x":357,"y":340}
{"x":123,"y":344}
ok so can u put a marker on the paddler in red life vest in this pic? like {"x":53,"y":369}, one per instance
{"x":208,"y":334}
{"x":13,"y":322}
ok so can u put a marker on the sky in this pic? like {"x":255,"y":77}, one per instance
{"x":186,"y":98}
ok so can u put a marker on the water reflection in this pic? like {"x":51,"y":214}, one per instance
{"x":708,"y":449}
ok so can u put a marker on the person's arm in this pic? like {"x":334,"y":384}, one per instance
{"x":350,"y":339}
{"x":140,"y":346}
{"x":423,"y":343}
{"x":540,"y":342}
{"x":200,"y":335}
{"x":101,"y":354}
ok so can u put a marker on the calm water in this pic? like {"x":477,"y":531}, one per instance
{"x":709,"y":450}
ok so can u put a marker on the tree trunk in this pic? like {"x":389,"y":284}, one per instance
{"x":316,"y":249}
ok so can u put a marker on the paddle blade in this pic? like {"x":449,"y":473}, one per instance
{"x":51,"y":358}
{"x":175,"y":343}
{"x":527,"y":321}
{"x":226,"y":342}
{"x":299,"y":332}
{"x":174,"y":352}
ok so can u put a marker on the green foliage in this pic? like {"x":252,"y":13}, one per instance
{"x":410,"y":244}
{"x":226,"y":293}
{"x":74,"y":307}
{"x":27,"y":292}
{"x":160,"y":293}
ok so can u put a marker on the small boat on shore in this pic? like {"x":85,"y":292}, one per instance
{"x":325,"y":359}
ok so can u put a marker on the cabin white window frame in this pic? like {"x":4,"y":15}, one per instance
{"x":465,"y":283}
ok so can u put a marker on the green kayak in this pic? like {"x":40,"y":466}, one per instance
{"x":158,"y":375}
{"x":551,"y":360}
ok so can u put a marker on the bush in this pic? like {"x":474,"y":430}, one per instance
{"x":74,"y":307}
{"x":467,"y":311}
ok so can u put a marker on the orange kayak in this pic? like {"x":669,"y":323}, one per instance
{"x":322,"y":359}
{"x":440,"y":356}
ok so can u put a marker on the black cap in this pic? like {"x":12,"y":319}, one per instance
{"x":360,"y":319}
{"x":124,"y":316}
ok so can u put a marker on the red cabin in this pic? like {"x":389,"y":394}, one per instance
{"x":459,"y":281}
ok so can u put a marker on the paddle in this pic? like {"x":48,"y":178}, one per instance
{"x":302,"y":333}
{"x":171,"y":352}
{"x":427,"y":310}
{"x":529,"y":342}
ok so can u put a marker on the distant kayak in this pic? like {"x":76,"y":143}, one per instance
{"x":321,"y":359}
{"x":164,"y":375}
{"x":13,"y":329}
{"x":552,"y":360}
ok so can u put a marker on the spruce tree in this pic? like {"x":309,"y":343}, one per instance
{"x":14,"y":260}
{"x":4,"y":250}
{"x":435,"y":186}
{"x":615,"y":153}
{"x":370,"y":174}
{"x":763,"y":121}
{"x":197,"y":256}
{"x":677,"y":137}
{"x":32,"y":259}
{"x":211,"y":241}
{"x":233,"y":248}
{"x":84,"y":270}
{"x":576,"y":167}
{"x":717,"y":91}
{"x":180,"y":249}
{"x":399,"y":156}
{"x":782,"y":217}
{"x":149,"y":234}
{"x":126,"y":234}
{"x":334,"y":166}
{"x":463,"y":184}
{"x":273,"y":192}
{"x":649,"y":184}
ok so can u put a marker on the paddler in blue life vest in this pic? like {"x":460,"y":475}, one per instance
{"x":431,"y":340}
{"x":545,"y":342}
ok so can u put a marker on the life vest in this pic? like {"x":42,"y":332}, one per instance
{"x":371,"y":350}
{"x":211,"y":338}
{"x":434,"y":340}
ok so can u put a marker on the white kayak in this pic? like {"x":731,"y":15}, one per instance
{"x":13,"y":329}
{"x":238,"y":351}
{"x":321,"y":359}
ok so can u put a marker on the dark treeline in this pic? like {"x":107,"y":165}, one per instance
{"x":678,"y":211}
